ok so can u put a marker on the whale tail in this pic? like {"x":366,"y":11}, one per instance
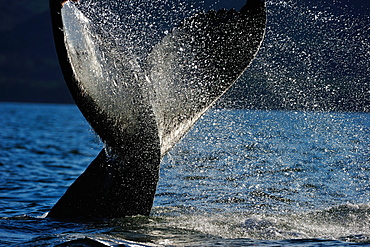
{"x":142,"y":89}
{"x":110,"y":188}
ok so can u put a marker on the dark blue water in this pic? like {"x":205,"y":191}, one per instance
{"x":239,"y":178}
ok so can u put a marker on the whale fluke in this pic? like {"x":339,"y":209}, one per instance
{"x":142,"y":89}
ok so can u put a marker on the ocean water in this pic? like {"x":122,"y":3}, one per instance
{"x":238,"y":178}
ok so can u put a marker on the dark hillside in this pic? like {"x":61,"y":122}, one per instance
{"x":29,"y":70}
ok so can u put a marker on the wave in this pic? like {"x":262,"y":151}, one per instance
{"x":349,"y":222}
{"x":178,"y":226}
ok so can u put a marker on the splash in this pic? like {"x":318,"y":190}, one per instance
{"x":348,"y":222}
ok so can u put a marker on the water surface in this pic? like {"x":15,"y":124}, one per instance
{"x":239,"y":178}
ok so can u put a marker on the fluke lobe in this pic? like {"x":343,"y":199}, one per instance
{"x":141,"y":104}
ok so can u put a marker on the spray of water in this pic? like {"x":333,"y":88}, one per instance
{"x":314,"y":57}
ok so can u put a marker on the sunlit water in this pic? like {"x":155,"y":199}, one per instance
{"x":238,"y":178}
